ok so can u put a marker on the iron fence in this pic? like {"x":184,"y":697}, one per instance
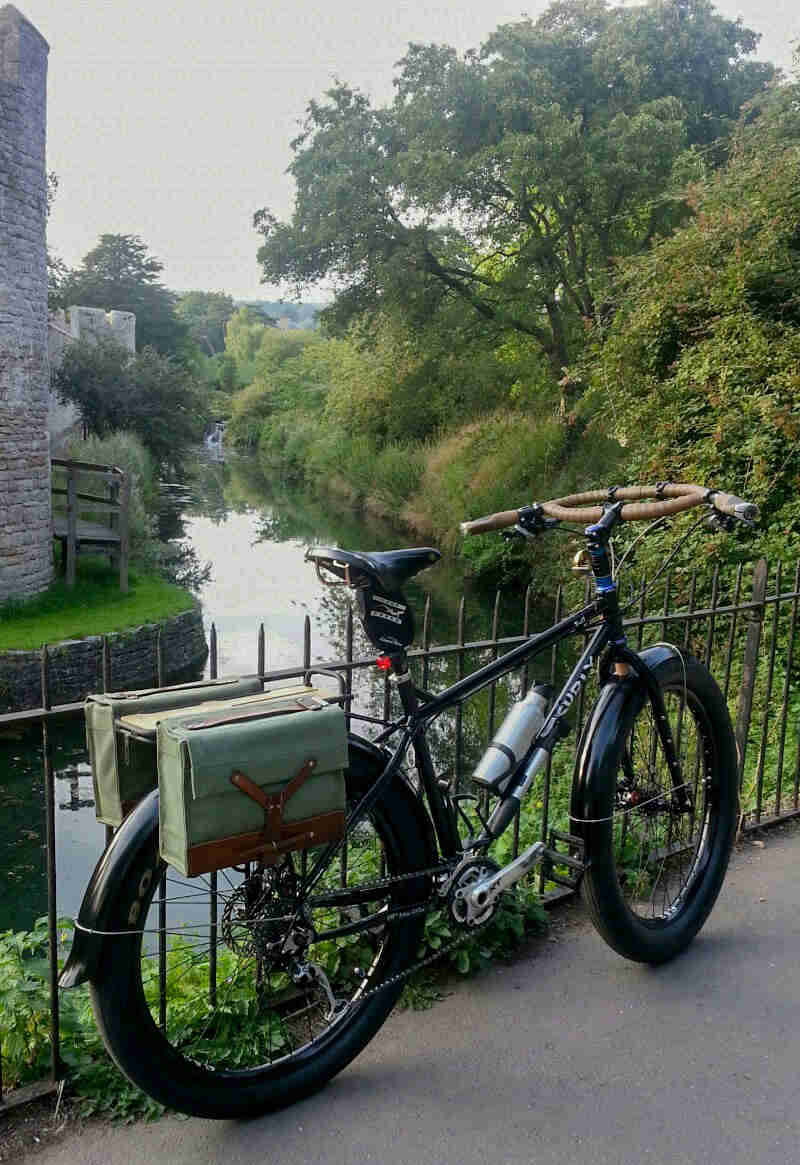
{"x":743,"y":626}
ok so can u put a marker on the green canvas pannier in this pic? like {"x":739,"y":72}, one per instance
{"x":122,"y":756}
{"x":250,"y":784}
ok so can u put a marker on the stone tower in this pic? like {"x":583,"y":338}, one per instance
{"x":25,"y":535}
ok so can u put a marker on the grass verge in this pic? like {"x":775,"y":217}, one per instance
{"x":94,"y":606}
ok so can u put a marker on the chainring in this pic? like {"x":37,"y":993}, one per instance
{"x":471,"y":871}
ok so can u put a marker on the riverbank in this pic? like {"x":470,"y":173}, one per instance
{"x":254,"y":535}
{"x":73,"y":621}
{"x":94,"y":606}
{"x":175,"y":647}
{"x":507,"y":458}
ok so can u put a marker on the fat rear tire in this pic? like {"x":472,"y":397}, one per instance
{"x":147,"y":1057}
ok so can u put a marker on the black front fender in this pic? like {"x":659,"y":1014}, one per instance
{"x":137,"y":831}
{"x":600,"y":748}
{"x":140,"y":830}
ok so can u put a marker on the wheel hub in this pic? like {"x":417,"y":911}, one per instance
{"x":259,"y":916}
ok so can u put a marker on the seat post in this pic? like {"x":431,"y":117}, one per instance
{"x":441,"y":810}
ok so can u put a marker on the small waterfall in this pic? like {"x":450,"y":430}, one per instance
{"x":213,"y":441}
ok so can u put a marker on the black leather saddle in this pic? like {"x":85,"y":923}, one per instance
{"x":389,"y":569}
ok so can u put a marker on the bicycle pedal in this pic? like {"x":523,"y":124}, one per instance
{"x":572,"y":859}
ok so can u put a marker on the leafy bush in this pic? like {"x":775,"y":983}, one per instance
{"x":25,"y":1030}
{"x":397,"y":471}
{"x":149,"y":394}
{"x":290,"y":373}
{"x":699,"y":373}
{"x":249,"y":410}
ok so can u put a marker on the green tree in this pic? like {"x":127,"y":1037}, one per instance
{"x":205,"y":314}
{"x":394,"y":382}
{"x":244,"y":332}
{"x":699,"y":375}
{"x":508,"y":181}
{"x":150,"y":395}
{"x":119,"y":274}
{"x":291,"y":373}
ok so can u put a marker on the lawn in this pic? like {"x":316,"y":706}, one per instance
{"x":95,"y":606}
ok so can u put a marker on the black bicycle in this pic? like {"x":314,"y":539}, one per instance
{"x":263,"y":999}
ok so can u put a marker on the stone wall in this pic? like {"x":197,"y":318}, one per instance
{"x":64,"y":327}
{"x":92,"y":324}
{"x":76,"y":666}
{"x":26,"y":558}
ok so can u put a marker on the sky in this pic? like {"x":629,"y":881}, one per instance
{"x":171,"y":119}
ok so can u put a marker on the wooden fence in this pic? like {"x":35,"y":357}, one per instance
{"x":75,"y":532}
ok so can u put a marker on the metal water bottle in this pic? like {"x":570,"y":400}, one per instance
{"x":513,"y":738}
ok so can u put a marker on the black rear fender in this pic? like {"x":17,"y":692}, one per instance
{"x":139,"y":831}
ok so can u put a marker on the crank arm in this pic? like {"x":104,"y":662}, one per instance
{"x":483,"y":894}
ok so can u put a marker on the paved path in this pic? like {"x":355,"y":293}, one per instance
{"x":569,"y":1055}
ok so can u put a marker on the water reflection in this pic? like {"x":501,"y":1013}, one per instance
{"x":255,"y":535}
{"x":79,"y":838}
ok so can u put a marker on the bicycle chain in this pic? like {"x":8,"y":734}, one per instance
{"x":413,"y":912}
{"x":426,"y":962}
{"x":387,"y":883}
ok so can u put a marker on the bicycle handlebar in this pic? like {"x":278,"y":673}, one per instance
{"x":670,"y":499}
{"x":490,"y":522}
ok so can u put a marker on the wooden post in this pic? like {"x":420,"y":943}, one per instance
{"x":744,"y":705}
{"x":124,"y":531}
{"x":72,"y":524}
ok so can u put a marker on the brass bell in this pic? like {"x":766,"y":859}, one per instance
{"x":581,"y":563}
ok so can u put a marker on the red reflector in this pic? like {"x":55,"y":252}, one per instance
{"x":383,"y":662}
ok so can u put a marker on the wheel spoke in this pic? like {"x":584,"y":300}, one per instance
{"x":265,"y":932}
{"x":657,"y":838}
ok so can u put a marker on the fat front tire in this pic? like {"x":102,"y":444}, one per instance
{"x":265,"y":1036}
{"x":657,"y":855}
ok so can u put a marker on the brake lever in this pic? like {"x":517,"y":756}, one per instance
{"x":531,"y":524}
{"x":519,"y":532}
{"x":724,"y":523}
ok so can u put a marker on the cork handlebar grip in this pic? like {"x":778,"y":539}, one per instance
{"x":490,"y":522}
{"x":640,"y":503}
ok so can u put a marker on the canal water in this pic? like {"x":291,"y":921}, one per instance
{"x":254,"y":534}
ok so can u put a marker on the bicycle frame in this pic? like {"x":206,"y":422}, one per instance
{"x":417,"y":716}
{"x":608,"y":634}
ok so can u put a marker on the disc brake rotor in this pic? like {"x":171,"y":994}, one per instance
{"x":257,"y":914}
